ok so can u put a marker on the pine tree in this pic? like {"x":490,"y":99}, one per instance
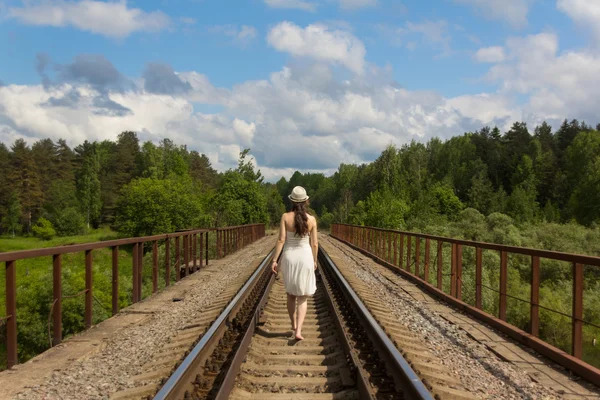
{"x":11,"y":221}
{"x":24,"y":178}
{"x":88,"y":182}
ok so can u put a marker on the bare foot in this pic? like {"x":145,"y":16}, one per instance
{"x":299,"y":336}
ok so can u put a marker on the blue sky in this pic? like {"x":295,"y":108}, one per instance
{"x":339,"y":79}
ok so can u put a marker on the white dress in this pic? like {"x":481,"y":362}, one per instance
{"x":298,"y":266}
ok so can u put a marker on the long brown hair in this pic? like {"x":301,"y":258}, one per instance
{"x":300,"y":218}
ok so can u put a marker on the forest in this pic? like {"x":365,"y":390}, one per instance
{"x":538,"y":188}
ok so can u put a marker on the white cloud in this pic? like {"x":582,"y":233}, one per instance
{"x":559,"y":85}
{"x":492,"y":54}
{"x":292,"y":4}
{"x":242,"y":35}
{"x":584,"y":12}
{"x":356,"y":4}
{"x":304,"y":116}
{"x":320,"y":43}
{"x":112,"y":19}
{"x":514,"y":12}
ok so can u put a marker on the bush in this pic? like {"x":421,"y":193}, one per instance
{"x":326,"y":218}
{"x":70,"y":222}
{"x":44,"y":229}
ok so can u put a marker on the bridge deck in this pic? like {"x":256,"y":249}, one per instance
{"x":489,"y":363}
{"x":93,"y":355}
{"x":106,"y":358}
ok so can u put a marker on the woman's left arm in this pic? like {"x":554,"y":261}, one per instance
{"x":279,"y":245}
{"x":314,"y":241}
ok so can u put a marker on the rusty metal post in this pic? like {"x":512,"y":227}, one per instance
{"x":88,"y":288}
{"x":154,"y":266}
{"x":401,"y":255}
{"x":11,"y":313}
{"x":186,"y":254}
{"x":478,"y":278}
{"x":195,"y":252}
{"x":453,"y":271}
{"x":115,"y":280}
{"x":177,"y":258}
{"x":389,"y":243}
{"x":395,"y":248}
{"x":440,"y":264}
{"x":167,"y":261}
{"x":427,"y":259}
{"x":226,"y":251}
{"x":363,"y":237}
{"x":417,"y":255}
{"x":503,"y":284}
{"x":218,"y":239}
{"x":206,"y":248}
{"x":201,"y":245}
{"x":140,"y":269}
{"x":459,"y":281}
{"x":57,"y":295}
{"x":408,"y":245}
{"x":577,"y":338}
{"x":135,"y":272}
{"x":534,"y":318}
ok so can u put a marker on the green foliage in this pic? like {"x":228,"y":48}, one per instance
{"x":44,"y":229}
{"x":152,"y":206}
{"x":11,"y":221}
{"x":447,"y":202}
{"x":88,"y":182}
{"x":239,"y":201}
{"x":385,"y":210}
{"x":326,"y":218}
{"x":471,"y":224}
{"x":69,"y":222}
{"x":275,"y":206}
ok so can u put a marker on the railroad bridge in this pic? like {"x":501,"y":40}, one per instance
{"x":396,"y":315}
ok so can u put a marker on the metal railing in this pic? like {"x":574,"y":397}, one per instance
{"x":191,"y":252}
{"x":232,"y":238}
{"x":394,"y":249}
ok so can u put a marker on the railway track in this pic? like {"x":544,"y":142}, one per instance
{"x":249,"y":351}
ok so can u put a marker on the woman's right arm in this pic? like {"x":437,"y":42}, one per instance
{"x":279,"y":245}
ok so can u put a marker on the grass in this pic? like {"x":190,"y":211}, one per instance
{"x":8,"y":243}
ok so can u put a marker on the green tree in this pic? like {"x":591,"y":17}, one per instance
{"x":24,"y":179}
{"x":481,"y":193}
{"x":153,"y":206}
{"x":385,"y":210}
{"x":246,"y":168}
{"x":44,"y":229}
{"x":88,"y":182}
{"x":447,"y":202}
{"x":11,"y":221}
{"x":275,"y":206}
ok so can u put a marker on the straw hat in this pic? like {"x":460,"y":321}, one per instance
{"x":298,"y":195}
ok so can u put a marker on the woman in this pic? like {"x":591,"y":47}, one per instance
{"x":298,"y":231}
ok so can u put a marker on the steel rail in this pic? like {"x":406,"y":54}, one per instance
{"x":393,"y":357}
{"x":228,"y":382}
{"x":180,"y":374}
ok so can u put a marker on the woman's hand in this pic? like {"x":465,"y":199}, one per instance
{"x":274,"y":267}
{"x":315,"y":265}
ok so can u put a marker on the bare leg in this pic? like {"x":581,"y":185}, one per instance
{"x":291,"y":306}
{"x":302,"y":305}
